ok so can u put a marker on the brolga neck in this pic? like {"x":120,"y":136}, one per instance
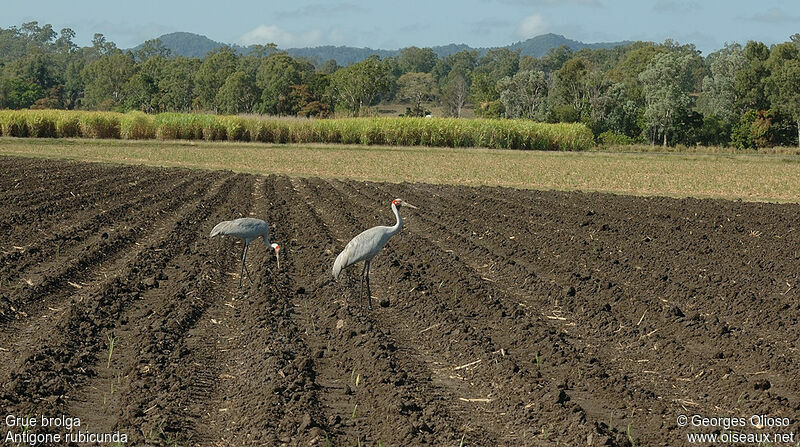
{"x":399,"y":224}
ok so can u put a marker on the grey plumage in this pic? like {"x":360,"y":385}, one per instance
{"x":248,"y":229}
{"x":366,"y":245}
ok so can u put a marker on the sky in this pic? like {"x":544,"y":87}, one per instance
{"x":391,"y":24}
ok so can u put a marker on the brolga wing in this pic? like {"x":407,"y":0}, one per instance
{"x":362,"y":247}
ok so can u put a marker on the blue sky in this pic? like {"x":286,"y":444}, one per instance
{"x":395,"y":24}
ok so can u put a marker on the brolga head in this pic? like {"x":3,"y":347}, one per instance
{"x":399,"y":203}
{"x":277,"y":249}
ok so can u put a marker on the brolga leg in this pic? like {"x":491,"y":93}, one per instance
{"x":241,"y":271}
{"x":361,"y":287}
{"x":244,"y":267}
{"x":369,"y":292}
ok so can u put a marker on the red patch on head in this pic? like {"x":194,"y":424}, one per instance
{"x":394,"y":202}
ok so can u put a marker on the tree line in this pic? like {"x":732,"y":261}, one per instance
{"x":662,"y":93}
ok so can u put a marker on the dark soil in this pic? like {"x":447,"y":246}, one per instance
{"x":502,"y":317}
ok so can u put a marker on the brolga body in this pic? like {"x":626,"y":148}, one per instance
{"x":366,"y":245}
{"x":248,"y":229}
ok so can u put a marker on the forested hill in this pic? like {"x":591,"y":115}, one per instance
{"x":540,"y":45}
{"x":188,"y":44}
{"x":195,"y":45}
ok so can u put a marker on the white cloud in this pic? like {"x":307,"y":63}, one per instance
{"x":264,"y":34}
{"x":531,"y":26}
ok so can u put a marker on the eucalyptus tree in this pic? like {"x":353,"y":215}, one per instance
{"x":666,"y":84}
{"x":417,"y":60}
{"x":276,"y":76}
{"x":523,"y":95}
{"x":177,"y":84}
{"x":417,"y":88}
{"x":361,"y":85}
{"x":783,"y":84}
{"x":719,"y":96}
{"x":106,"y":80}
{"x":239,"y":93}
{"x":211,"y":76}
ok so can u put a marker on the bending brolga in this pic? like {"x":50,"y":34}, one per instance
{"x":248,"y":229}
{"x":365,"y":246}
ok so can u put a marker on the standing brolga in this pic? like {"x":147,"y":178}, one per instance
{"x":248,"y":229}
{"x":365,"y":246}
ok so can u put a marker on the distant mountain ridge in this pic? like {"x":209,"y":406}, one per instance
{"x":196,"y":45}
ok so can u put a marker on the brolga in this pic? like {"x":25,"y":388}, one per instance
{"x":365,"y":246}
{"x":248,"y":229}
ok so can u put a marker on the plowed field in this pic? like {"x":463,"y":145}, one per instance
{"x":503,"y":317}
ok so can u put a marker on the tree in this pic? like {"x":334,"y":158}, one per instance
{"x":569,"y":85}
{"x":416,"y":60}
{"x":783,"y":84}
{"x":493,"y":66}
{"x":277,"y":74}
{"x":621,"y":114}
{"x":37,"y":67}
{"x":498,"y":63}
{"x":458,"y":64}
{"x":719,"y":96}
{"x":18,"y":94}
{"x":74,"y":84}
{"x":306,"y":103}
{"x":177,"y":84}
{"x":64,"y":43}
{"x":106,"y":80}
{"x":455,"y":94}
{"x":101,"y":46}
{"x":212,"y":74}
{"x":627,"y":71}
{"x":749,"y":82}
{"x":141,"y":93}
{"x":238,"y":95}
{"x":795,"y":39}
{"x":329,"y":67}
{"x":152,"y":47}
{"x":666,"y":83}
{"x":523,"y":95}
{"x":416,"y":88}
{"x":550,"y":62}
{"x":361,"y":85}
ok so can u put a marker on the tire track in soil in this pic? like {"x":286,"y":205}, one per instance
{"x":518,"y":361}
{"x":46,"y":378}
{"x":335,"y":401}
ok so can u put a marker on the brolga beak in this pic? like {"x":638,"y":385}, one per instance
{"x":406,"y":204}
{"x":277,"y":249}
